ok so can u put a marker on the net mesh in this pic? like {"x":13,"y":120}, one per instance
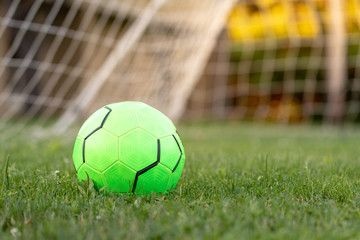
{"x":66,"y":58}
{"x":274,"y":60}
{"x":284,"y":61}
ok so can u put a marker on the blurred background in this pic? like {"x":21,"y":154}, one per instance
{"x":282,"y":61}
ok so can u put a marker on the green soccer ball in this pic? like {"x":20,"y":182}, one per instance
{"x":129,"y":147}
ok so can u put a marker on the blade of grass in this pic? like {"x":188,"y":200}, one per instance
{"x":6,"y":173}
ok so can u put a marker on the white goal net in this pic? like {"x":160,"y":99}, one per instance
{"x":269,"y":60}
{"x":284,"y":61}
{"x":62,"y":59}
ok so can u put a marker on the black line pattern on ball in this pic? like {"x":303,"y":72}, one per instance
{"x":142,"y":170}
{"x":96,"y":129}
{"x":148,"y":167}
{"x":181,"y":154}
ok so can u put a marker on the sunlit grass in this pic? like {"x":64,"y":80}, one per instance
{"x":240,"y":181}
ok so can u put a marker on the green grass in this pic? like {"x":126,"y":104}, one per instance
{"x":240,"y":181}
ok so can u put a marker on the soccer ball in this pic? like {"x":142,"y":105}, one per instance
{"x":129,"y":147}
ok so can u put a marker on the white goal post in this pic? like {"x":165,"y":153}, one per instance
{"x":88,"y":93}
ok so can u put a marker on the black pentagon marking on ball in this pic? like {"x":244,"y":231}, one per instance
{"x":148,"y":167}
{"x":181,"y":153}
{"x":101,"y":125}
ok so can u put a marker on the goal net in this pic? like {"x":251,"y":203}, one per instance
{"x":269,"y":60}
{"x":61,"y":60}
{"x":284,"y":61}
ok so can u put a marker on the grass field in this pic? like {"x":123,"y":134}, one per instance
{"x":240,"y":181}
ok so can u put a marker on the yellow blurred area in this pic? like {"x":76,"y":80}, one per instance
{"x":258,"y":19}
{"x":353,"y":15}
